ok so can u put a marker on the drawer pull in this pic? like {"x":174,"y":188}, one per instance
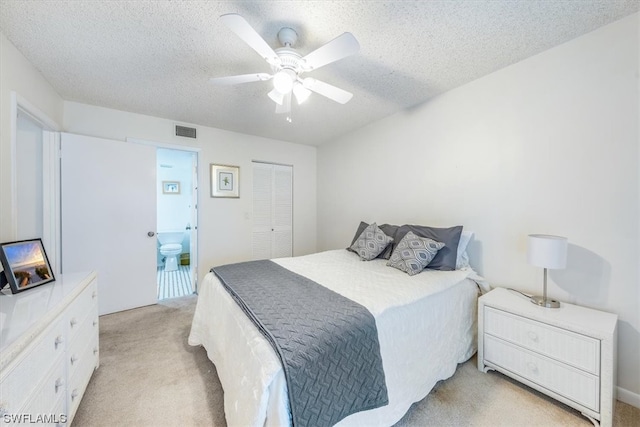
{"x":74,"y":359}
{"x":94,"y":294}
{"x":95,"y":351}
{"x":73,"y":322}
{"x":532,"y":367}
{"x":95,"y":322}
{"x":74,"y":394}
{"x":533,"y":336}
{"x":59,"y":383}
{"x":58,"y":341}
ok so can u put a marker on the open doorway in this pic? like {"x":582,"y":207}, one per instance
{"x":35,"y":177}
{"x":176,"y":222}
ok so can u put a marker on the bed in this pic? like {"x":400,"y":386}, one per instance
{"x":426,"y":326}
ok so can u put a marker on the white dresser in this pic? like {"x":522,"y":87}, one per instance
{"x":48,"y":350}
{"x":568,"y":353}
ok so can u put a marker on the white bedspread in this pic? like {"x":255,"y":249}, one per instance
{"x":426,"y":326}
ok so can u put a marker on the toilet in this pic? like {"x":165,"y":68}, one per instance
{"x":170,"y":248}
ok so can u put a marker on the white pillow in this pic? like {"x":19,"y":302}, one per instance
{"x":462,"y":258}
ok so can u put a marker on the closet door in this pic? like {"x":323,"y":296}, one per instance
{"x":272,"y":211}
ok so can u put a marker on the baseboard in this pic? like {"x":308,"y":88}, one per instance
{"x":628,"y":397}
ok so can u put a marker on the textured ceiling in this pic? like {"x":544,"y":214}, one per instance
{"x":156,"y":57}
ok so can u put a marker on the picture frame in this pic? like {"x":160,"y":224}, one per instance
{"x":225,"y":181}
{"x":25,"y":264}
{"x":170,"y":187}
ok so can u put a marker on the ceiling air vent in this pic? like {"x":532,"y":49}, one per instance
{"x":185,"y":131}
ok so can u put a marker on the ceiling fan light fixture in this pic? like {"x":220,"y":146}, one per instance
{"x":276,"y":96}
{"x":283,"y":81}
{"x":301,"y":93}
{"x":287,"y":64}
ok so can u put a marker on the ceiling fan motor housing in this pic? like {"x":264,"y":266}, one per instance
{"x":289,"y":60}
{"x":287,"y":37}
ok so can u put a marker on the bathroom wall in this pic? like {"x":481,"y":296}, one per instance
{"x":174,"y":209}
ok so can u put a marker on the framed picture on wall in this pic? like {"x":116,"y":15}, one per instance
{"x":170,"y":187}
{"x":25,"y":264}
{"x":225,"y":181}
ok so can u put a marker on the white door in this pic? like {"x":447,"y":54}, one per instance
{"x":272,"y":211}
{"x":109,"y":218}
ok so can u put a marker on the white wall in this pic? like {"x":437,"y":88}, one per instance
{"x":174,"y":210}
{"x":224,"y":227}
{"x":18,"y":75}
{"x":548,"y":145}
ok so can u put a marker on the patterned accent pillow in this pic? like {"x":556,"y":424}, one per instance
{"x":388,"y":229}
{"x":371,"y":242}
{"x":414,"y":253}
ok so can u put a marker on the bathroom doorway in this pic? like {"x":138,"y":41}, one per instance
{"x":176,"y":176}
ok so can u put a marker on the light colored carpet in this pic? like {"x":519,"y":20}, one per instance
{"x":150,"y":376}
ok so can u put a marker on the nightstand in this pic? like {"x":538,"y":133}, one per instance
{"x":568,"y":353}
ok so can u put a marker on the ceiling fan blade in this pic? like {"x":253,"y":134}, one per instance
{"x":338,"y":48}
{"x":243,"y":78}
{"x":241,"y":27}
{"x":325,"y":89}
{"x":285,"y":107}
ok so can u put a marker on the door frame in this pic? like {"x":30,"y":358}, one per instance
{"x":50,"y":175}
{"x":194,"y":243}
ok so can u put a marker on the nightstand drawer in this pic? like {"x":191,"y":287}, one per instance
{"x":557,"y":377}
{"x":565,"y":346}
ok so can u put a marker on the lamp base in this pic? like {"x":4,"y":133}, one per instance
{"x":545,"y":302}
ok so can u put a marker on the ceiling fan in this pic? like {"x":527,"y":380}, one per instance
{"x":287,"y":65}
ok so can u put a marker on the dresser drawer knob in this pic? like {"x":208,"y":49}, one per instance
{"x":95,"y":351}
{"x":58,"y":341}
{"x":74,"y":394}
{"x":73,"y":322}
{"x":532,"y":367}
{"x":74,"y":359}
{"x":533,"y":336}
{"x":94,"y":295}
{"x":95,"y":322}
{"x":59,"y":383}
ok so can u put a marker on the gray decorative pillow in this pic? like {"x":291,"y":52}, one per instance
{"x":446,"y":257}
{"x":371,"y":242}
{"x":414,"y":253}
{"x":388,"y":229}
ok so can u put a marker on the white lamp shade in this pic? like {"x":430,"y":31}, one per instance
{"x":547,"y":251}
{"x":301,"y":93}
{"x":283,"y":81}
{"x":276,"y":96}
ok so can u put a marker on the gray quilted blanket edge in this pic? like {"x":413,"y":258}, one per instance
{"x":327,"y":344}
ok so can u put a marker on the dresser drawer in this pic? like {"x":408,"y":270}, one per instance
{"x":84,"y":366}
{"x":46,"y":400}
{"x":571,"y":383}
{"x":565,"y":346}
{"x":81,"y":307}
{"x":34,"y":364}
{"x":87,"y":333}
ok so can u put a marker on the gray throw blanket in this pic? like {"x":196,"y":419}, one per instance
{"x":328,"y":344}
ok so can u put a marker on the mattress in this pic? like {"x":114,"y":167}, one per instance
{"x":426,"y":325}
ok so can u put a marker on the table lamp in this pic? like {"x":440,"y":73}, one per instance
{"x":547,"y":252}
